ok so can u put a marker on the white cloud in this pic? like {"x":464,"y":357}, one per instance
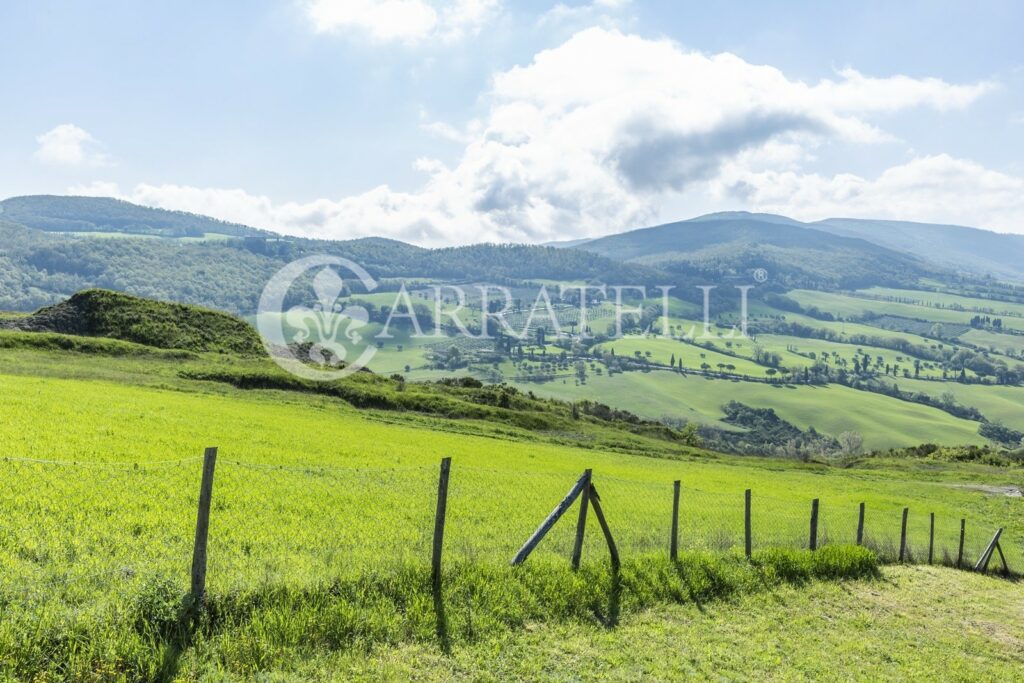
{"x":597,"y":134}
{"x":405,"y":21}
{"x":69,"y":145}
{"x":932,"y":189}
{"x":607,"y":13}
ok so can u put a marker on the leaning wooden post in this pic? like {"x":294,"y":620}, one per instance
{"x":960,"y":551}
{"x":556,"y":514}
{"x":595,"y":500}
{"x":931,"y":536}
{"x":903,"y":535}
{"x":860,"y":525}
{"x":581,"y":525}
{"x":203,"y":525}
{"x":982,"y":565}
{"x":814,"y":524}
{"x":673,"y":551}
{"x":746,"y":523}
{"x":1002,"y":558}
{"x":439,"y":517}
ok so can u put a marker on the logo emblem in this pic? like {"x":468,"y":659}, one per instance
{"x":318,"y":339}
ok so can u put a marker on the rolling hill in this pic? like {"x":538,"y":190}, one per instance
{"x":794,"y":252}
{"x":964,"y":249}
{"x":47,"y":254}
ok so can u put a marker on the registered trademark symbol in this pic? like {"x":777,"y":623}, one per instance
{"x":761,"y":275}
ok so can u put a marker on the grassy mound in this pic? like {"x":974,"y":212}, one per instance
{"x":102,"y":313}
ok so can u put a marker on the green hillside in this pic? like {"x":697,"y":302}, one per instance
{"x":320,"y":530}
{"x":100,"y":313}
{"x":113,"y":216}
{"x":794,"y":253}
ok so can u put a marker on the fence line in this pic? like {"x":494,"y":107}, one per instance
{"x":66,"y":533}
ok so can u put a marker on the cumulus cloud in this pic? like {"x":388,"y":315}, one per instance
{"x":595,"y":135}
{"x":69,"y":145}
{"x":405,"y":21}
{"x":933,"y":189}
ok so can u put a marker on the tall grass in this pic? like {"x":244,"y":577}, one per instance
{"x":153,"y":632}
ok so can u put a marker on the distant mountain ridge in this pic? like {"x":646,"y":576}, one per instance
{"x":799,"y":254}
{"x":49,"y":249}
{"x":54,"y":213}
{"x":962,"y":249}
{"x":39,"y":267}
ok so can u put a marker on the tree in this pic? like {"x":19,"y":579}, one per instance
{"x":851,"y":443}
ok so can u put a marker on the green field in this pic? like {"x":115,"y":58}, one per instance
{"x":884,"y":422}
{"x":1005,"y":344}
{"x":850,"y":306}
{"x":947,"y":300}
{"x":916,"y":624}
{"x":322,"y":516}
{"x":662,"y":350}
{"x":794,"y":352}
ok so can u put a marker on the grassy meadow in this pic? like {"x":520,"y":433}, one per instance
{"x":322,"y":515}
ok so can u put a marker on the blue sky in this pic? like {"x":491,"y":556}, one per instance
{"x":452,"y":121}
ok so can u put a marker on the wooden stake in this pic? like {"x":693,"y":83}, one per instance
{"x":673,"y":551}
{"x":545,"y":526}
{"x":982,"y":564}
{"x":439,"y":518}
{"x":203,"y":525}
{"x":960,"y":551}
{"x":814,"y":524}
{"x":747,"y":542}
{"x":1006,"y":567}
{"x":599,"y":513}
{"x":860,"y":525}
{"x":903,"y":535}
{"x":931,"y":536}
{"x":581,"y":525}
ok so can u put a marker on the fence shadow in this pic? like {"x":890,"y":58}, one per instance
{"x":610,"y":619}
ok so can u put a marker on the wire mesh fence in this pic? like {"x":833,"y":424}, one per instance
{"x":76,"y":533}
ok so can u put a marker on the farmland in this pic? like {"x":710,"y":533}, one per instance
{"x":105,"y":505}
{"x":881,"y":379}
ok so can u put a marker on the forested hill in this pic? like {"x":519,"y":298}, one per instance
{"x":798,"y":255}
{"x":105,"y":215}
{"x":39,"y":268}
{"x":51,"y":247}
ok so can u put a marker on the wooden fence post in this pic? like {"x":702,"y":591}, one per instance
{"x":814,"y":524}
{"x":982,"y":564}
{"x":860,"y":525}
{"x":203,"y":525}
{"x":579,"y":487}
{"x":439,"y":518}
{"x":960,"y":551}
{"x":747,"y":541}
{"x":673,"y":551}
{"x":581,"y":525}
{"x":903,"y":534}
{"x":931,"y":536}
{"x":599,"y":513}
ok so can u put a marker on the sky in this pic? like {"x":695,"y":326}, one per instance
{"x":445,"y":122}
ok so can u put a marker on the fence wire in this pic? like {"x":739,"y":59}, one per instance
{"x":77,"y":535}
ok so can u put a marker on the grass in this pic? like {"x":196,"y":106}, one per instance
{"x":946,"y":300}
{"x":883,"y":421}
{"x":916,"y":624}
{"x":1005,"y":344}
{"x":847,"y":306}
{"x":662,"y":350}
{"x":846,"y":352}
{"x":322,"y":518}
